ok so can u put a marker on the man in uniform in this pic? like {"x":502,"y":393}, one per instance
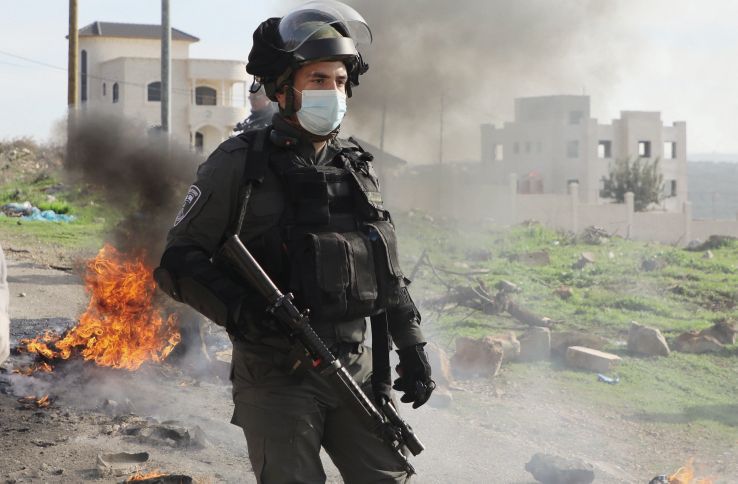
{"x":262,"y":110}
{"x":312,"y":217}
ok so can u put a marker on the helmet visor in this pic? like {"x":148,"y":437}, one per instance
{"x":312,"y":18}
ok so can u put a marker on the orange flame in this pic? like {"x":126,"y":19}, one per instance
{"x":42,"y":402}
{"x":685,"y":475}
{"x":121,"y":328}
{"x":140,"y":477}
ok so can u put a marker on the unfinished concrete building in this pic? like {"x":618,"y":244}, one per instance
{"x":554,"y":141}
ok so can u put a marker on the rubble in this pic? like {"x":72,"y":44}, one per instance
{"x":168,"y":433}
{"x":562,"y":340}
{"x":507,"y":286}
{"x":535,"y":344}
{"x":525,"y":316}
{"x":551,"y":469}
{"x":694,"y":342}
{"x":585,"y":259}
{"x":589,"y":359}
{"x":477,"y":357}
{"x":713,"y":242}
{"x":653,"y":264}
{"x":643,"y":340}
{"x":564,"y":292}
{"x":723,"y":331}
{"x":594,"y":235}
{"x":120,"y":464}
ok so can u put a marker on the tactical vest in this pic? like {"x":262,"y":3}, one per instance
{"x":335,"y":246}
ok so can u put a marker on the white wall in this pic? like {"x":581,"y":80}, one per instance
{"x":463,"y":194}
{"x":543,"y":127}
{"x":135,"y":63}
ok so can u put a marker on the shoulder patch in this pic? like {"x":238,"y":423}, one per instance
{"x":193,"y":195}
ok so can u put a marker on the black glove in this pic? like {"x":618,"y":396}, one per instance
{"x":415,"y":375}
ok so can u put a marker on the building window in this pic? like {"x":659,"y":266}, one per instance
{"x":205,"y":96}
{"x":153,"y":92}
{"x":115,"y":92}
{"x":105,"y":88}
{"x":604,"y":149}
{"x":572,"y":149}
{"x":644,"y":149}
{"x":575,"y":117}
{"x":497,"y":152}
{"x":670,"y":150}
{"x":199,"y":142}
{"x":83,"y":76}
{"x":672,"y":188}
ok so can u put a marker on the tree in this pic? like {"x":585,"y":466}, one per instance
{"x":640,"y":176}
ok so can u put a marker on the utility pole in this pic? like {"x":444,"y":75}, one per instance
{"x":72,"y":76}
{"x":73,"y":65}
{"x":440,"y":136}
{"x":166,"y":74}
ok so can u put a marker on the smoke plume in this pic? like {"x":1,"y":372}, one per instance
{"x":478,"y":55}
{"x":136,"y":172}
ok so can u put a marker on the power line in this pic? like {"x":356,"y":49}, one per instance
{"x":187,"y":92}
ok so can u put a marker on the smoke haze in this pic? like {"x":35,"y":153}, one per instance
{"x":135,"y":173}
{"x":477,"y":55}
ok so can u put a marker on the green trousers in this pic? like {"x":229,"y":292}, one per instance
{"x":287,"y":419}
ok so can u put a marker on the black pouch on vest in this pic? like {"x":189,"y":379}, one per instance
{"x":390,"y":280}
{"x":308,"y":189}
{"x":333,"y":275}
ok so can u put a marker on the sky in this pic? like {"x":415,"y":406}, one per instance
{"x":678,"y":57}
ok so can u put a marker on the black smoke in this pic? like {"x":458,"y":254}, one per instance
{"x":134,"y":170}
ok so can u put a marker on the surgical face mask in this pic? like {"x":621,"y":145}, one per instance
{"x":322,"y":110}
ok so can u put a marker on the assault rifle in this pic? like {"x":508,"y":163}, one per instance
{"x":384,"y":421}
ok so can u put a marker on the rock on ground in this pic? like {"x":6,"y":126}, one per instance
{"x":644,"y":340}
{"x":535,"y":344}
{"x":551,"y":469}
{"x":589,"y":359}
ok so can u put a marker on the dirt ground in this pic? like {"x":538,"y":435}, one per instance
{"x":492,"y":429}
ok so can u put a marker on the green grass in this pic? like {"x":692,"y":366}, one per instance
{"x":689,"y":292}
{"x":92,"y":217}
{"x":70,"y":235}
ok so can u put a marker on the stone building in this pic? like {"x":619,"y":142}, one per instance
{"x":554,"y":141}
{"x":120,"y":73}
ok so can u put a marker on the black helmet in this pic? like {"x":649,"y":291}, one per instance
{"x":318,"y":30}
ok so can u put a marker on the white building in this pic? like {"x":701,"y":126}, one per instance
{"x":120,"y":71}
{"x":554,"y":141}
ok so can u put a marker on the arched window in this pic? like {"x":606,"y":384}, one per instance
{"x":154,"y":91}
{"x":115,"y":92}
{"x":205,"y":96}
{"x":199,"y":141}
{"x":83,"y":76}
